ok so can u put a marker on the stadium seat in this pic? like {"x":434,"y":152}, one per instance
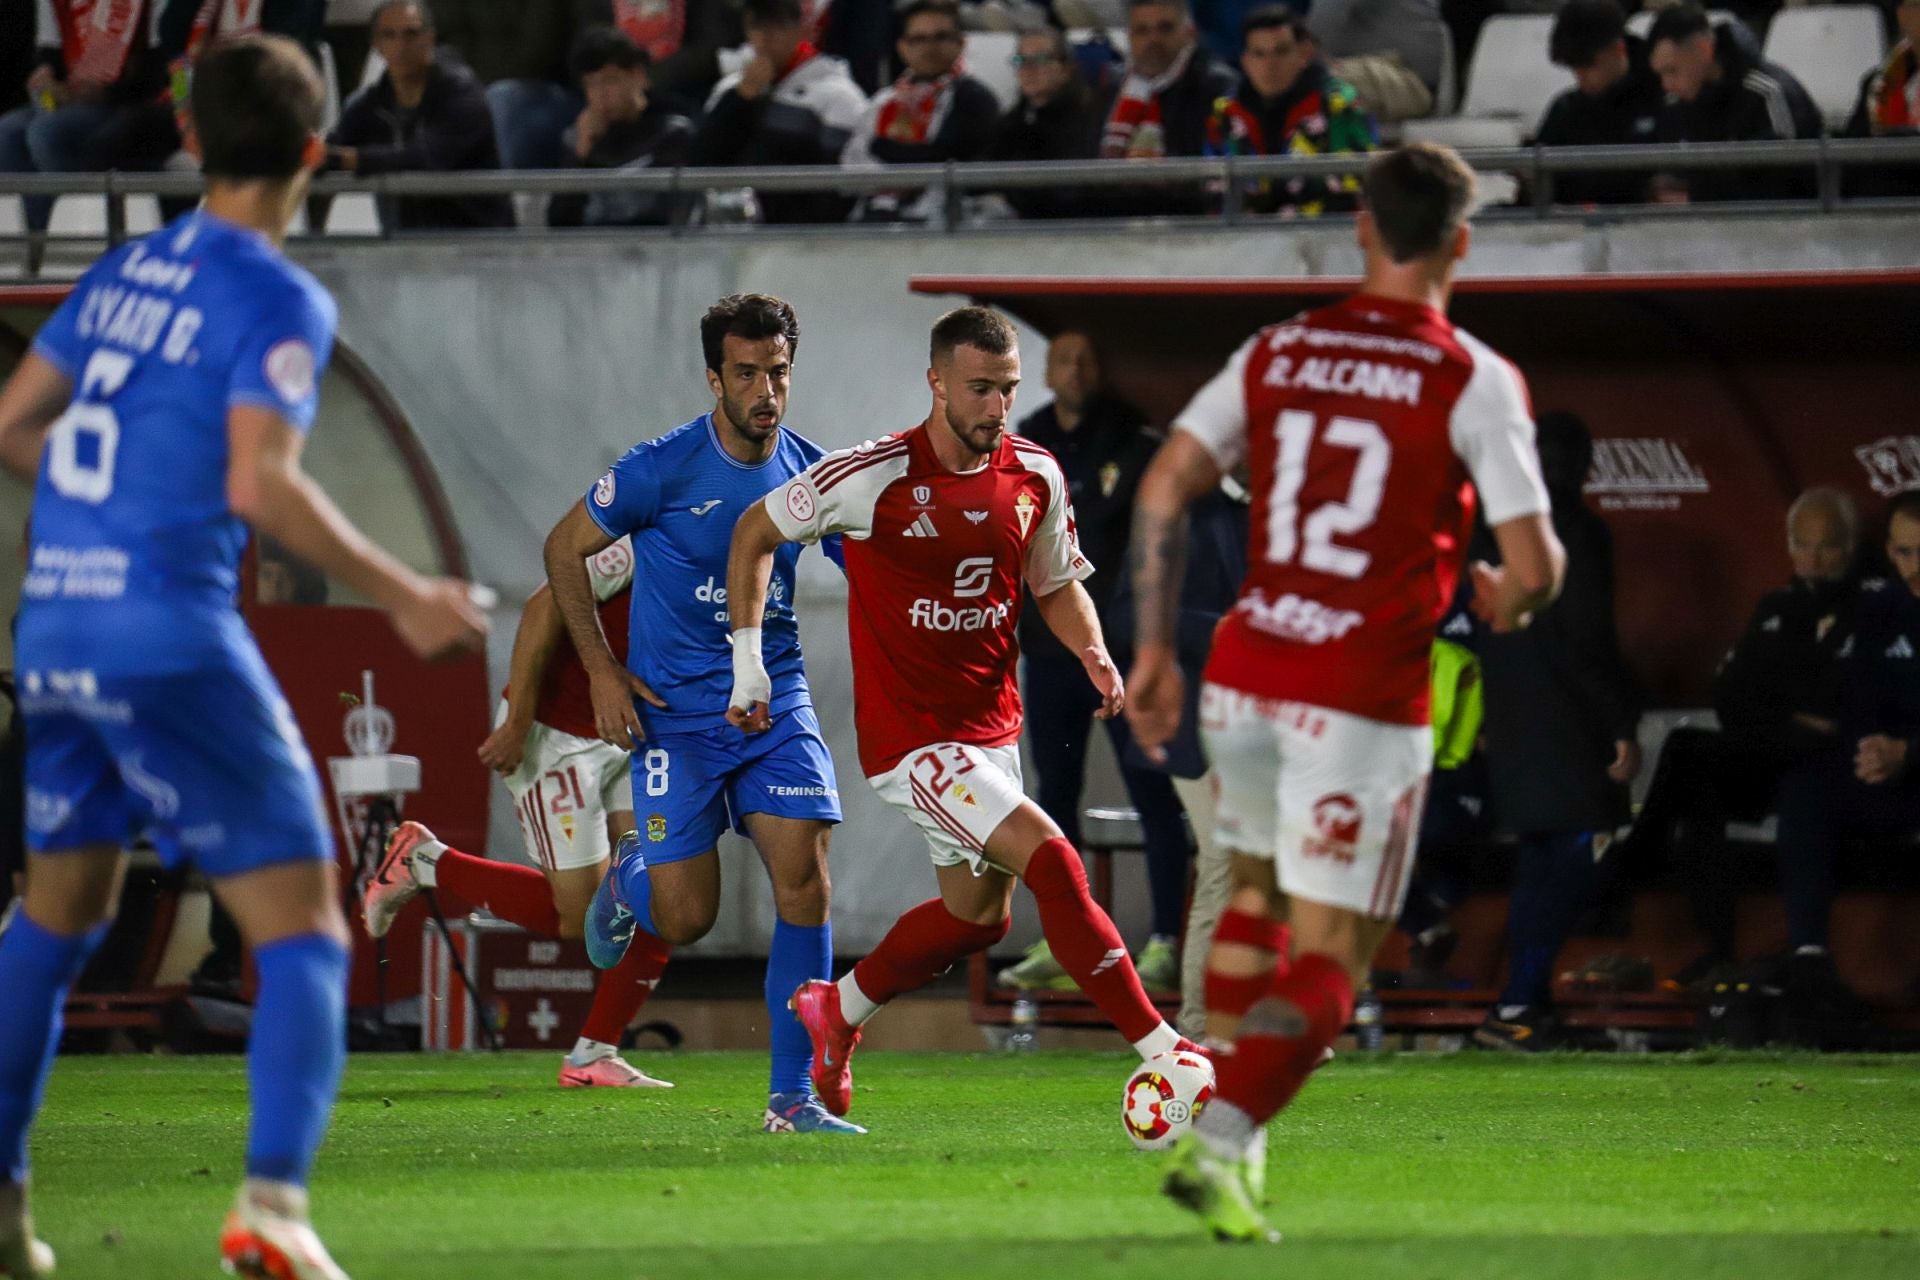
{"x":989,"y":60}
{"x":1638,"y":24}
{"x":1509,"y":84}
{"x":354,"y":214}
{"x":1829,"y":48}
{"x":78,"y":216}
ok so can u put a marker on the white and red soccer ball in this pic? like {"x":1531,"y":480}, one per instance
{"x":1164,"y":1095}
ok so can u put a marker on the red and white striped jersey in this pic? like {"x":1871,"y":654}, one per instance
{"x":566,"y":694}
{"x":1367,"y":426}
{"x":935,"y":563}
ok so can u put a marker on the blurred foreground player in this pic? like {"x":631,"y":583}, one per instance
{"x":944,"y":524}
{"x":573,"y":795}
{"x":1368,"y":426}
{"x":173,"y":392}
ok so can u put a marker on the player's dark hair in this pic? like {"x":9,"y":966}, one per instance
{"x":1276,"y":17}
{"x":752,"y":316}
{"x":255,"y":101}
{"x":981,"y":328}
{"x":938,"y":8}
{"x":599,"y":47}
{"x":769,"y":13}
{"x":1583,"y":30}
{"x":1681,"y":23}
{"x":1903,"y":504}
{"x":426,"y":14}
{"x":1419,"y":195}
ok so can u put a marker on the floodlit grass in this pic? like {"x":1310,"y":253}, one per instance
{"x":476,"y":1166}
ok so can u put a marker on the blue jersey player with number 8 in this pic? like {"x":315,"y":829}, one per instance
{"x":161,"y":411}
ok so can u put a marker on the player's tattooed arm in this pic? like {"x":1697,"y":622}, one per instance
{"x":34,"y":396}
{"x":614,"y":687}
{"x":1181,"y":471}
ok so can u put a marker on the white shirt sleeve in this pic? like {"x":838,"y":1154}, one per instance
{"x":1217,"y":414}
{"x":610,"y":569}
{"x":838,"y":493}
{"x":1492,"y":432}
{"x":1054,"y":557}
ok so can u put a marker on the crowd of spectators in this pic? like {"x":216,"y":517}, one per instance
{"x":618,"y":84}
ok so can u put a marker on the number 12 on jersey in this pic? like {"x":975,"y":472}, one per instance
{"x":1312,"y":540}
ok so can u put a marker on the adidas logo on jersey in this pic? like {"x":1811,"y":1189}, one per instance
{"x":922,"y":527}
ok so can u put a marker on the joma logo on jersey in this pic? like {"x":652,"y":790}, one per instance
{"x":933,"y":615}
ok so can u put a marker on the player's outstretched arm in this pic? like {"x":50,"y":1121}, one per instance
{"x":267,"y":488}
{"x":30,"y":402}
{"x":1180,"y":473}
{"x":1532,"y":566}
{"x":749,"y":572}
{"x":534,"y":643}
{"x":614,"y":688}
{"x":1070,"y":615}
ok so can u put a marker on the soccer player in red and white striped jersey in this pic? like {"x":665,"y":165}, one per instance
{"x":1371,"y":428}
{"x":944,"y":525}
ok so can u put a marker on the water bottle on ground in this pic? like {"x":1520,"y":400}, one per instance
{"x":1020,"y":1031}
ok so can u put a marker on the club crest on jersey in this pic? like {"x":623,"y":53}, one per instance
{"x":566,"y":827}
{"x":923,"y":495}
{"x":1025,"y":508}
{"x":603,"y":491}
{"x":656,"y":827}
{"x":964,"y":794}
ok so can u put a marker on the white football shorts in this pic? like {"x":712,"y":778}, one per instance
{"x":563,"y":791}
{"x":1333,"y":798}
{"x":957,"y":795}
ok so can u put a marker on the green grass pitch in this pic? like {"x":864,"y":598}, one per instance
{"x":476,"y":1166}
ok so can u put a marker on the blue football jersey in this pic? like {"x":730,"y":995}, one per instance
{"x":679,"y":497}
{"x":135,"y":558}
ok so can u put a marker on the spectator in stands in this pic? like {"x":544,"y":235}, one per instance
{"x":1561,"y":718}
{"x":1719,"y":89}
{"x":683,"y":40}
{"x":1866,"y":784}
{"x":790,"y":104}
{"x":1392,"y":51}
{"x":1289,"y":103}
{"x":1103,"y":446}
{"x":935,"y":111}
{"x":1777,"y":697}
{"x":519,"y":51}
{"x":622,"y":127}
{"x":1889,"y":107}
{"x":1172,"y":83}
{"x":425,"y":113}
{"x":1053,"y":120}
{"x":1615,"y":99}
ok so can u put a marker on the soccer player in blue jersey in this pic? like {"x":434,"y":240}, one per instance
{"x":693,"y":773}
{"x":161,"y":411}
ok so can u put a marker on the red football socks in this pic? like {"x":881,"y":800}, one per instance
{"x":624,"y":988}
{"x":1085,"y":942}
{"x":514,"y":893}
{"x":923,"y":944}
{"x":1230,"y":995}
{"x":1283,"y":1037}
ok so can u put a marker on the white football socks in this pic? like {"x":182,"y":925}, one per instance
{"x":425,"y":855}
{"x":587,"y":1052}
{"x":1162,"y":1039}
{"x":854,"y":1005}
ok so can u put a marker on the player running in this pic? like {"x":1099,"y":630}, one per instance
{"x":173,"y":392}
{"x":944,"y":524}
{"x":677,"y":498}
{"x":1368,"y":426}
{"x":574,"y":797}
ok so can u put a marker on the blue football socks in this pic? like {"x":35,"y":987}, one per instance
{"x":36,"y":968}
{"x":296,"y":1054}
{"x":799,"y":954}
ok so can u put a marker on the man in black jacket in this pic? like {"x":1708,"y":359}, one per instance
{"x":1719,"y":89}
{"x":1053,"y":120}
{"x":1615,"y":100}
{"x":425,"y":112}
{"x":622,"y":126}
{"x":1561,"y":716}
{"x":1161,"y":106}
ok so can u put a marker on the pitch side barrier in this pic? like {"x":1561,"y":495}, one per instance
{"x":1224,"y":179}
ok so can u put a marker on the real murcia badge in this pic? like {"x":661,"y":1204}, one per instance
{"x":1025,"y":507}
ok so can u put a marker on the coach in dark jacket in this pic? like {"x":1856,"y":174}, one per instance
{"x":1615,"y":101}
{"x":1561,"y":718}
{"x":1719,"y":89}
{"x":426,"y":113}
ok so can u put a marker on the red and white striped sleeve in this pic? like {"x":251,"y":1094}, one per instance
{"x":838,"y":493}
{"x":1054,"y":557}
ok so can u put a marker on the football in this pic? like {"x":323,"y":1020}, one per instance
{"x":1163,"y":1096}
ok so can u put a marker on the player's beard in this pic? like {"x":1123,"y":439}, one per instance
{"x":980,"y":438}
{"x":756,"y":420}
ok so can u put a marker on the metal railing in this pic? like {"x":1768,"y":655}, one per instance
{"x":1226,"y":179}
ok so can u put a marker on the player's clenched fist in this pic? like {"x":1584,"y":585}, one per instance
{"x":752,"y":686}
{"x":441,"y":618}
{"x":1154,"y":705}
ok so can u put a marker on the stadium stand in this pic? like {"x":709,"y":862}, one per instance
{"x":1509,"y":84}
{"x":1828,"y":47}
